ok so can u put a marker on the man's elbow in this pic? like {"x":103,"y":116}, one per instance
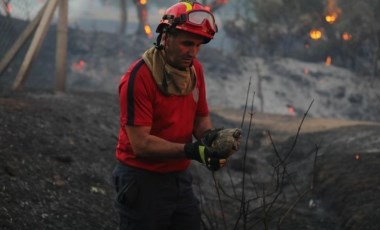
{"x":142,"y":149}
{"x":139,"y":150}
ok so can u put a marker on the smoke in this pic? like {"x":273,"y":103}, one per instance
{"x":25,"y":10}
{"x":332,"y":8}
{"x":105,"y":15}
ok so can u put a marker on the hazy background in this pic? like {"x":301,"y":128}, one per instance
{"x":57,"y":149}
{"x":266,"y":42}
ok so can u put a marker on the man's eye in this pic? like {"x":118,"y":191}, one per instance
{"x":187,"y":43}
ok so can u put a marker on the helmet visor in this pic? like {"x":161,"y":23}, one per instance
{"x":199,"y":18}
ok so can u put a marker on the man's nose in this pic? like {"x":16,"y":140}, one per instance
{"x":193,"y":51}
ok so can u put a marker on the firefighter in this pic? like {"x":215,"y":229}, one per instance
{"x":162,"y":107}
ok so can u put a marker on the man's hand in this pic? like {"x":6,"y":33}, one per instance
{"x":224,"y":141}
{"x":215,"y":147}
{"x":200,"y":152}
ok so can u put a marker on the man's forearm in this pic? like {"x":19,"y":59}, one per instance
{"x":156,"y":147}
{"x":202,"y":124}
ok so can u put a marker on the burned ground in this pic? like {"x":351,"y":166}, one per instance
{"x":57,"y":154}
{"x":56,"y":159}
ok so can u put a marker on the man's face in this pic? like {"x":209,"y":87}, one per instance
{"x":182,"y":48}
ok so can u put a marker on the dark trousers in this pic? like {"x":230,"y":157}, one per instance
{"x":155,"y":201}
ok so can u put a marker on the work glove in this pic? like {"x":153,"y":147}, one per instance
{"x":214,"y":147}
{"x":200,"y":152}
{"x":224,"y":141}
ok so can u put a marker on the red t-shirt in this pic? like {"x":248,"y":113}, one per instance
{"x":170,"y":117}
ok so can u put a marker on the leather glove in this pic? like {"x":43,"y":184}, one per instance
{"x":200,"y":152}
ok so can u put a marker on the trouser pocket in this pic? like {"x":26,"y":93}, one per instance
{"x":127,"y":200}
{"x":128,"y":193}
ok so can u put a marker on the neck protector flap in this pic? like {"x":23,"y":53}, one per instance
{"x":170,"y":80}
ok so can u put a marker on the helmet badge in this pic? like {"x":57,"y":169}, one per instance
{"x":188,"y":6}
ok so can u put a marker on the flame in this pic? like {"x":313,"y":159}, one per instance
{"x":148,"y":31}
{"x":332,"y":11}
{"x":79,"y":66}
{"x":143,"y":2}
{"x":331,"y":18}
{"x":291,"y":110}
{"x":328,"y":60}
{"x":315,"y":34}
{"x":8,"y":8}
{"x":346,"y":36}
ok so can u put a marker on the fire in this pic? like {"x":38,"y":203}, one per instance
{"x":315,"y":34}
{"x":143,"y":2}
{"x":291,"y":110}
{"x":328,"y":60}
{"x":332,"y":11}
{"x":148,"y":31}
{"x":346,"y":36}
{"x":79,"y":66}
{"x":331,"y":18}
{"x":8,"y":8}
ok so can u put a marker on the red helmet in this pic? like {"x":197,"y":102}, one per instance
{"x":191,"y":17}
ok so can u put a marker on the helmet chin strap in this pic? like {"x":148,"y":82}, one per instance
{"x":158,"y":44}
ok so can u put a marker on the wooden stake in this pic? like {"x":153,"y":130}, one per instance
{"x":36,"y":44}
{"x":8,"y":57}
{"x":61,"y":53}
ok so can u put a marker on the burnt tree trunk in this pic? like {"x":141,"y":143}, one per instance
{"x":376,"y":54}
{"x":142,"y":15}
{"x":123,"y":16}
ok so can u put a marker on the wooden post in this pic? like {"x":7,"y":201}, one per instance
{"x":61,"y":50}
{"x":35,"y":44}
{"x":8,"y":57}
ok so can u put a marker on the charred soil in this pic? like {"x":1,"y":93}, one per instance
{"x":57,"y":155}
